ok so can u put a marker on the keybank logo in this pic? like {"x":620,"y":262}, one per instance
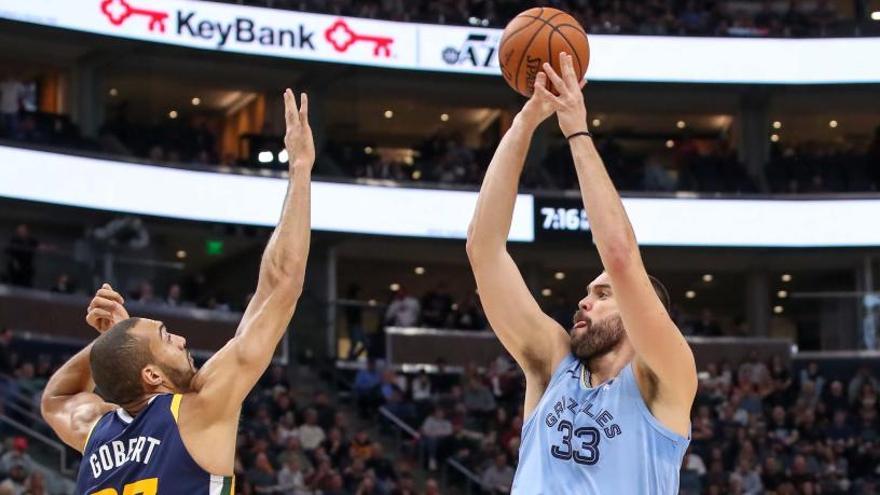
{"x":119,"y":11}
{"x":241,"y":29}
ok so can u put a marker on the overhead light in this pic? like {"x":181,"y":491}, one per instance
{"x":394,"y":287}
{"x":283,"y":156}
{"x":786,"y":277}
{"x":114,"y":92}
{"x":681,"y":124}
{"x":778,"y":309}
{"x":172,"y":114}
{"x":420,"y":270}
{"x":875,"y":15}
{"x":690,"y":294}
{"x":454,"y":306}
{"x":196,"y":101}
{"x":265,"y":156}
{"x":444,"y":117}
{"x":832,"y":124}
{"x":389,"y":114}
{"x":559,"y":275}
{"x":777,"y":124}
{"x":670,"y":143}
{"x":546,"y":292}
{"x":597,"y":122}
{"x":371,"y":302}
{"x":417,"y":174}
{"x":774,"y":138}
{"x":708,"y":277}
{"x":181,"y":254}
{"x":368,"y":150}
{"x":782,"y":294}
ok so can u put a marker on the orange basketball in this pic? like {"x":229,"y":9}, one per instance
{"x":536,"y":36}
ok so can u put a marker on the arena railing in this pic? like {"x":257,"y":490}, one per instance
{"x":47,"y":443}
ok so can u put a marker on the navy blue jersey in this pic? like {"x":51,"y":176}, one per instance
{"x":144,"y":456}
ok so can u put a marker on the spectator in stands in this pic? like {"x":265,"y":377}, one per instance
{"x":468,"y":315}
{"x":498,"y":477}
{"x":20,"y":257}
{"x":291,"y":478}
{"x":366,"y":384}
{"x":707,"y":325}
{"x":436,"y":305}
{"x":382,"y":467}
{"x":435,"y":429}
{"x":310,"y":433}
{"x":403,"y":310}
{"x":6,"y":361}
{"x":262,"y":476}
{"x":354,"y":322}
{"x":17,"y":456}
{"x":16,"y":480}
{"x":12,"y":94}
{"x":173,"y":298}
{"x":863,"y":375}
{"x":63,"y":285}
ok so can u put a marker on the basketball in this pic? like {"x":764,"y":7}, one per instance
{"x":536,"y":36}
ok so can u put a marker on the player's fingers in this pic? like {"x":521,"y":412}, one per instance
{"x":304,"y":109}
{"x":566,"y":64}
{"x":544,"y":93}
{"x":290,"y":109}
{"x":105,"y":304}
{"x":557,"y":81}
{"x":540,"y":80}
{"x":110,"y":294}
{"x":96,"y":314}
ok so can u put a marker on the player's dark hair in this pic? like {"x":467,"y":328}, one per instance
{"x":117,"y":359}
{"x":661,"y":291}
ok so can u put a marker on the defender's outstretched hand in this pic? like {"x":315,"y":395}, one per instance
{"x":106,"y":309}
{"x":569,"y":105}
{"x":298,"y":138}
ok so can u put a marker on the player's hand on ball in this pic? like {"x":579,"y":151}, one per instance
{"x":539,"y":107}
{"x":298,"y":139}
{"x":106,"y":309}
{"x":569,"y":105}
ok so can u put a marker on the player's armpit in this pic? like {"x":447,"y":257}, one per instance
{"x":536,"y":341}
{"x":659,"y":344}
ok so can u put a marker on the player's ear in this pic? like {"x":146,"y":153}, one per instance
{"x":151,"y":376}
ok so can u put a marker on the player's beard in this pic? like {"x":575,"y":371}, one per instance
{"x":598,"y":339}
{"x":180,"y":377}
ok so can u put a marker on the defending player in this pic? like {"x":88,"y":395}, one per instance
{"x":608,"y":402}
{"x":163,"y":427}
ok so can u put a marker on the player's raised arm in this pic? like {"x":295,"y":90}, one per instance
{"x":69,"y":403}
{"x":536,"y":341}
{"x":225,"y":380}
{"x":658,"y":343}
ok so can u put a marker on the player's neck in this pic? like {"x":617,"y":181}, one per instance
{"x":607,"y":366}
{"x":134,"y":407}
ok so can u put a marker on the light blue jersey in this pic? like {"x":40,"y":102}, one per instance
{"x":600,"y":440}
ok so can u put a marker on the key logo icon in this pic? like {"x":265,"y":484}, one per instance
{"x":341,"y":37}
{"x":119,"y":11}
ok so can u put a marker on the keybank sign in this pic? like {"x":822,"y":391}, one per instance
{"x":232,"y":28}
{"x":305,"y":36}
{"x":244,"y":31}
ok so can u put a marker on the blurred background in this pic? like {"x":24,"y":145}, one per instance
{"x":146,"y":150}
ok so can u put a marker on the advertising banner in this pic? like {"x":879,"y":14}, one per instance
{"x":466,"y":50}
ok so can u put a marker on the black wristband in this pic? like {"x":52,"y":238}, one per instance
{"x":581,"y":133}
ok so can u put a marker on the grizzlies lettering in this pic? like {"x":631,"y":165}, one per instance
{"x":603,"y":418}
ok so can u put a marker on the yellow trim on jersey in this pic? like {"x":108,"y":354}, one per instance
{"x":175,"y":406}
{"x":89,"y":434}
